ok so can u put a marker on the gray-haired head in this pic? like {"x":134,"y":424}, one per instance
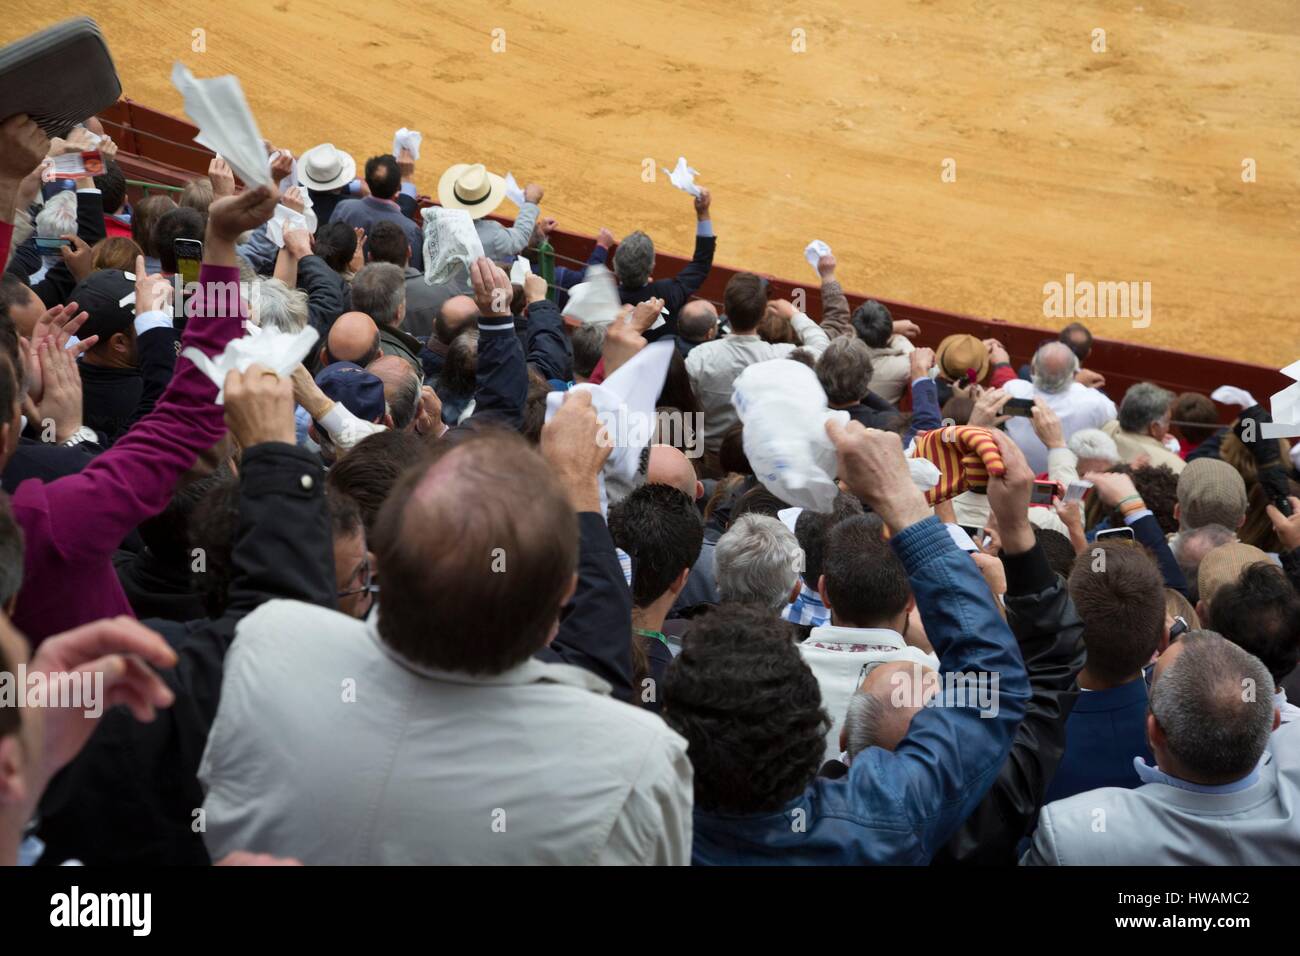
{"x":1214,"y":702}
{"x":1144,"y":404}
{"x":844,"y":370}
{"x":1094,"y":449}
{"x":279,"y":307}
{"x":634,"y":260}
{"x":1053,"y":367}
{"x":1190,"y":547}
{"x":864,"y":722}
{"x":587,"y":340}
{"x":58,"y":217}
{"x":379,"y":290}
{"x":758,"y":560}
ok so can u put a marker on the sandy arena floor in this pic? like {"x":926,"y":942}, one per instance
{"x":1123,"y":165}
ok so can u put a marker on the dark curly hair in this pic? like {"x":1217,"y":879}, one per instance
{"x":1260,"y":612}
{"x":749,"y":708}
{"x":1158,"y":486}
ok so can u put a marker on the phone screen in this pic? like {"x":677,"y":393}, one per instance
{"x":1022,"y":407}
{"x":1125,"y":533}
{"x":51,"y":245}
{"x":1043,"y":493}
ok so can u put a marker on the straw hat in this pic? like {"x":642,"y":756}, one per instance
{"x":960,"y":352}
{"x":469,"y":186}
{"x":325,"y":167}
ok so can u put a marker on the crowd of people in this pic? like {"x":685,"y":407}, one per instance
{"x":412,"y":601}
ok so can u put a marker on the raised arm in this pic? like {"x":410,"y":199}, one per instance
{"x":548,"y":347}
{"x":836,"y":318}
{"x":696,"y":271}
{"x":1048,"y":628}
{"x":1118,"y":492}
{"x":596,"y":630}
{"x":134,"y":480}
{"x":502,"y":386}
{"x":952,"y":753}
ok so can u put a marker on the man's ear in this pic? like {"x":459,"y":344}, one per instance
{"x":821,"y":590}
{"x":13,"y":785}
{"x":1202,"y":610}
{"x":680,"y":581}
{"x":1155,"y":733}
{"x":120,"y":342}
{"x":699,"y":490}
{"x":1178,"y":511}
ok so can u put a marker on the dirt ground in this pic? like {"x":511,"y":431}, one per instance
{"x":1123,"y":165}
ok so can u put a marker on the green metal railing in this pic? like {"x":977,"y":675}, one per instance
{"x":148,"y":187}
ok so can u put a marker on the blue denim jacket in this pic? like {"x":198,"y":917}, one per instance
{"x":900,"y":807}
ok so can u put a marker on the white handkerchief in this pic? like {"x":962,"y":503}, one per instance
{"x":1285,"y":407}
{"x":789,"y":517}
{"x":815,"y":250}
{"x":450,"y":244}
{"x":595,"y":301}
{"x":408,"y":138}
{"x":1232,"y":395}
{"x":226,"y":125}
{"x":279,"y":351}
{"x":520,"y":270}
{"x":285,"y":218}
{"x":513,"y":192}
{"x":625,"y":405}
{"x":683,"y":177}
{"x":924,"y":472}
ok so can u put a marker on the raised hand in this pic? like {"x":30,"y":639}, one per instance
{"x":702,"y":204}
{"x":60,"y":404}
{"x":986,"y":413}
{"x":872,"y":465}
{"x":1008,"y":496}
{"x":259,"y":406}
{"x":1047,"y":425}
{"x":78,"y":257}
{"x":492,"y":289}
{"x":231,"y":216}
{"x":222,"y":176}
{"x":576,"y":446}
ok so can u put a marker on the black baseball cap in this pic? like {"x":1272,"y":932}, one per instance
{"x":101,"y":295}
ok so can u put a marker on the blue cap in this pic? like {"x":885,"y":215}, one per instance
{"x":354,"y":388}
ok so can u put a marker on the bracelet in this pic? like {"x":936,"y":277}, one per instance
{"x":1123,"y":501}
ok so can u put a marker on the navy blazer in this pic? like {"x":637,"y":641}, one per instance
{"x":1106,"y":730}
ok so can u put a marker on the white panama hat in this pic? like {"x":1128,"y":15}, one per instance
{"x":469,"y":186}
{"x":325,"y":167}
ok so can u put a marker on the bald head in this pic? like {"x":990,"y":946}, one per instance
{"x":353,"y":337}
{"x":456,"y":315}
{"x":441,"y":522}
{"x":1053,"y":367}
{"x":697,"y":321}
{"x":668,"y":466}
{"x":401,"y":389}
{"x":881,"y":712}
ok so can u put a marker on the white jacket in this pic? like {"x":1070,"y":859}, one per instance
{"x":329,"y":748}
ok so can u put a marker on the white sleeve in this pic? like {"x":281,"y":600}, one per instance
{"x":810,"y":333}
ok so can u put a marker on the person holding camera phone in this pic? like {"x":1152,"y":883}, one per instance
{"x":1118,"y":493}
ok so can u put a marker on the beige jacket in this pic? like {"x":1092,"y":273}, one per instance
{"x":891,"y":366}
{"x":1132,"y":446}
{"x":329,"y":748}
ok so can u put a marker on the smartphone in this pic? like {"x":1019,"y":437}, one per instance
{"x":974,"y":532}
{"x":1043,"y":493}
{"x":189,"y":257}
{"x":1124,"y":533}
{"x":1020,"y":407}
{"x":1077,"y":490}
{"x":51,"y":245}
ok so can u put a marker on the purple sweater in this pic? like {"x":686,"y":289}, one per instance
{"x":72,"y":526}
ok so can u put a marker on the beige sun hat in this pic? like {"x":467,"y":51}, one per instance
{"x":469,"y":186}
{"x":326,"y":167}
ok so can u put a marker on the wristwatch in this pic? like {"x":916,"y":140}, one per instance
{"x":82,"y":434}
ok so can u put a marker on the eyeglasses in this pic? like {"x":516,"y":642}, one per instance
{"x":367,"y":585}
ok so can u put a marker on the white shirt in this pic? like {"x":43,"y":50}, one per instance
{"x":838,"y":657}
{"x":1078,"y":407}
{"x":331,"y":749}
{"x":713,"y":367}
